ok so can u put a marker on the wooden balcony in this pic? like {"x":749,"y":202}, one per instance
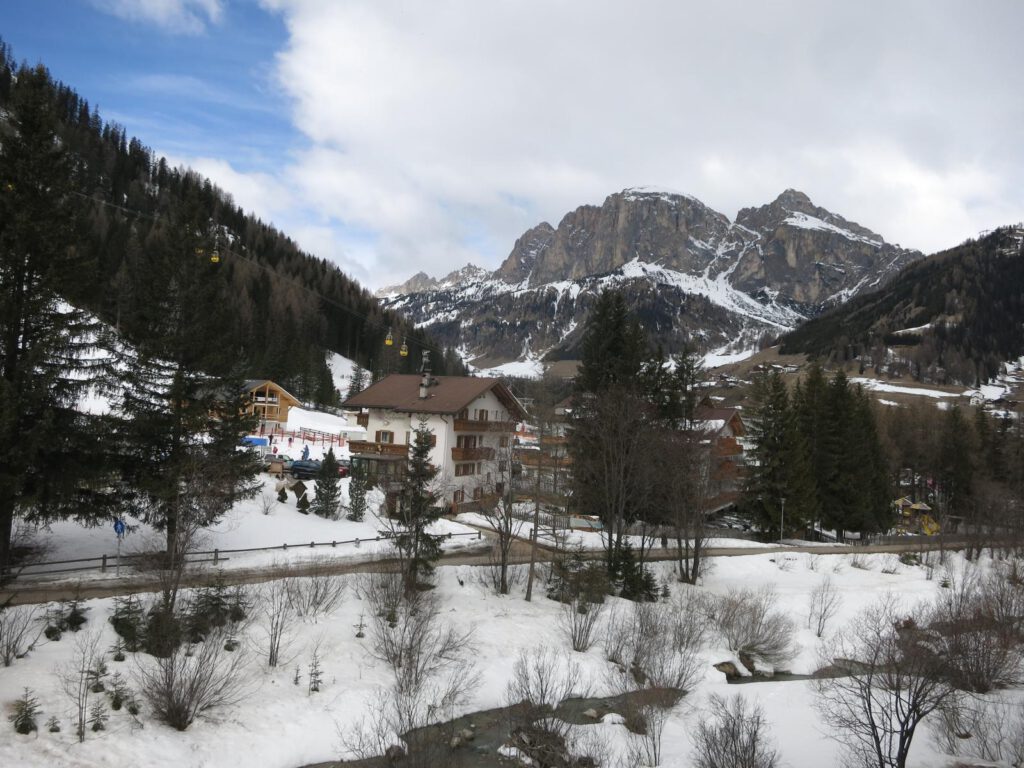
{"x":474,"y":425}
{"x":363,"y":420}
{"x":380,"y":449}
{"x":472,"y":454}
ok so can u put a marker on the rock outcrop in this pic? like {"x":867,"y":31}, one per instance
{"x":687,"y":270}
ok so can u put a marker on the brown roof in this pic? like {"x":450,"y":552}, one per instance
{"x":449,"y":394}
{"x":704,"y":413}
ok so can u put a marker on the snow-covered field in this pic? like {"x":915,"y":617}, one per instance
{"x":279,"y":725}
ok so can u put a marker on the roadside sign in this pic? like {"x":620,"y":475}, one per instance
{"x":119,"y":528}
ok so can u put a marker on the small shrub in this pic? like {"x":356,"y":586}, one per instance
{"x":119,"y":692}
{"x":53,"y":725}
{"x":910,"y":558}
{"x":26,"y":709}
{"x":860,"y":562}
{"x":129,"y":621}
{"x":98,"y":717}
{"x":282,"y":495}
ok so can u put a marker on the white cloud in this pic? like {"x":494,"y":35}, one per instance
{"x":441,"y":131}
{"x":181,"y":16}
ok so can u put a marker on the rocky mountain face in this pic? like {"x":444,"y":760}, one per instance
{"x":687,"y":270}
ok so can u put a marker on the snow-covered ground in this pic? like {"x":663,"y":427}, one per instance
{"x":255,"y":523}
{"x":278,"y":725}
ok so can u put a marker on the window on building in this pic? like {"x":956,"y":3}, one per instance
{"x":481,"y":415}
{"x":477,"y":492}
{"x":462,"y":470}
{"x":503,"y":441}
{"x":466,"y":441}
{"x":385,"y":436}
{"x":459,"y":496}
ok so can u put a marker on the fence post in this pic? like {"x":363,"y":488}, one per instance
{"x":334,"y":543}
{"x":284,"y":546}
{"x":103,"y":567}
{"x":479,"y":534}
{"x":216,"y":556}
{"x":311,"y":545}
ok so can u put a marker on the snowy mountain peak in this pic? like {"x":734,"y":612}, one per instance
{"x":687,"y":269}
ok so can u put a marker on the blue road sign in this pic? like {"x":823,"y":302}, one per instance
{"x":119,"y":528}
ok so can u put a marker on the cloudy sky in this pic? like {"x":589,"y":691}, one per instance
{"x":393,"y":137}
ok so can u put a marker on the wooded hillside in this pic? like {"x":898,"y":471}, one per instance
{"x":287,"y":308}
{"x":950,"y":318}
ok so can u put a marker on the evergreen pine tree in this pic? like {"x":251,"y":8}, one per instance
{"x":45,"y":443}
{"x":328,"y":488}
{"x":183,"y":397}
{"x":358,"y":381}
{"x":417,"y":510}
{"x":357,"y":487}
{"x":770,"y":431}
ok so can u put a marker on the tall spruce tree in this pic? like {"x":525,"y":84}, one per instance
{"x":358,"y":381}
{"x":618,"y":393}
{"x":781,"y":469}
{"x":417,"y":510}
{"x":44,"y":440}
{"x":357,"y":493}
{"x":182,"y":397}
{"x":328,"y":487}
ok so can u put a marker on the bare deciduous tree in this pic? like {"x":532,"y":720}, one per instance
{"x":542,"y":678}
{"x":498,"y":510}
{"x":274,"y":606}
{"x":895,"y":675}
{"x":824,"y":604}
{"x":735,"y":736}
{"x":77,"y":676}
{"x":191,"y":680}
{"x":19,"y":630}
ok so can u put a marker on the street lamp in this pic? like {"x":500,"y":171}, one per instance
{"x":782,"y":517}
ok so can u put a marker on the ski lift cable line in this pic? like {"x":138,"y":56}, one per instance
{"x":269,"y":270}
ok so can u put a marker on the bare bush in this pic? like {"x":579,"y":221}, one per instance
{"x":383,"y":590}
{"x":543,"y":678}
{"x":860,"y":562}
{"x":19,"y":630}
{"x":191,"y":680}
{"x":276,"y":619}
{"x":580,"y":619}
{"x":974,"y":619}
{"x":416,"y":644}
{"x":735,"y":736}
{"x":750,"y":625}
{"x":986,"y":729}
{"x":655,"y":645}
{"x":315,"y":595}
{"x":824,"y":604}
{"x":895,"y":675}
{"x":77,"y":676}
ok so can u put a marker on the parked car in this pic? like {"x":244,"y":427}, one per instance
{"x":305,"y":470}
{"x":280,"y":458}
{"x":344,"y":467}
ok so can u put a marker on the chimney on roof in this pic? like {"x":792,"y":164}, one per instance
{"x":425,"y":381}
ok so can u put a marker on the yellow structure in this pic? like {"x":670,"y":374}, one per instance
{"x":269,"y":402}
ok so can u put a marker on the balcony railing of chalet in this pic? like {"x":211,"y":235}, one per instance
{"x":472,"y":454}
{"x":384,"y":449}
{"x":533,"y":459}
{"x":475,"y":425}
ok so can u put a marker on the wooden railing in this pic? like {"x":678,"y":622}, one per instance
{"x":472,"y":454}
{"x":475,"y":425}
{"x":383,"y":449}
